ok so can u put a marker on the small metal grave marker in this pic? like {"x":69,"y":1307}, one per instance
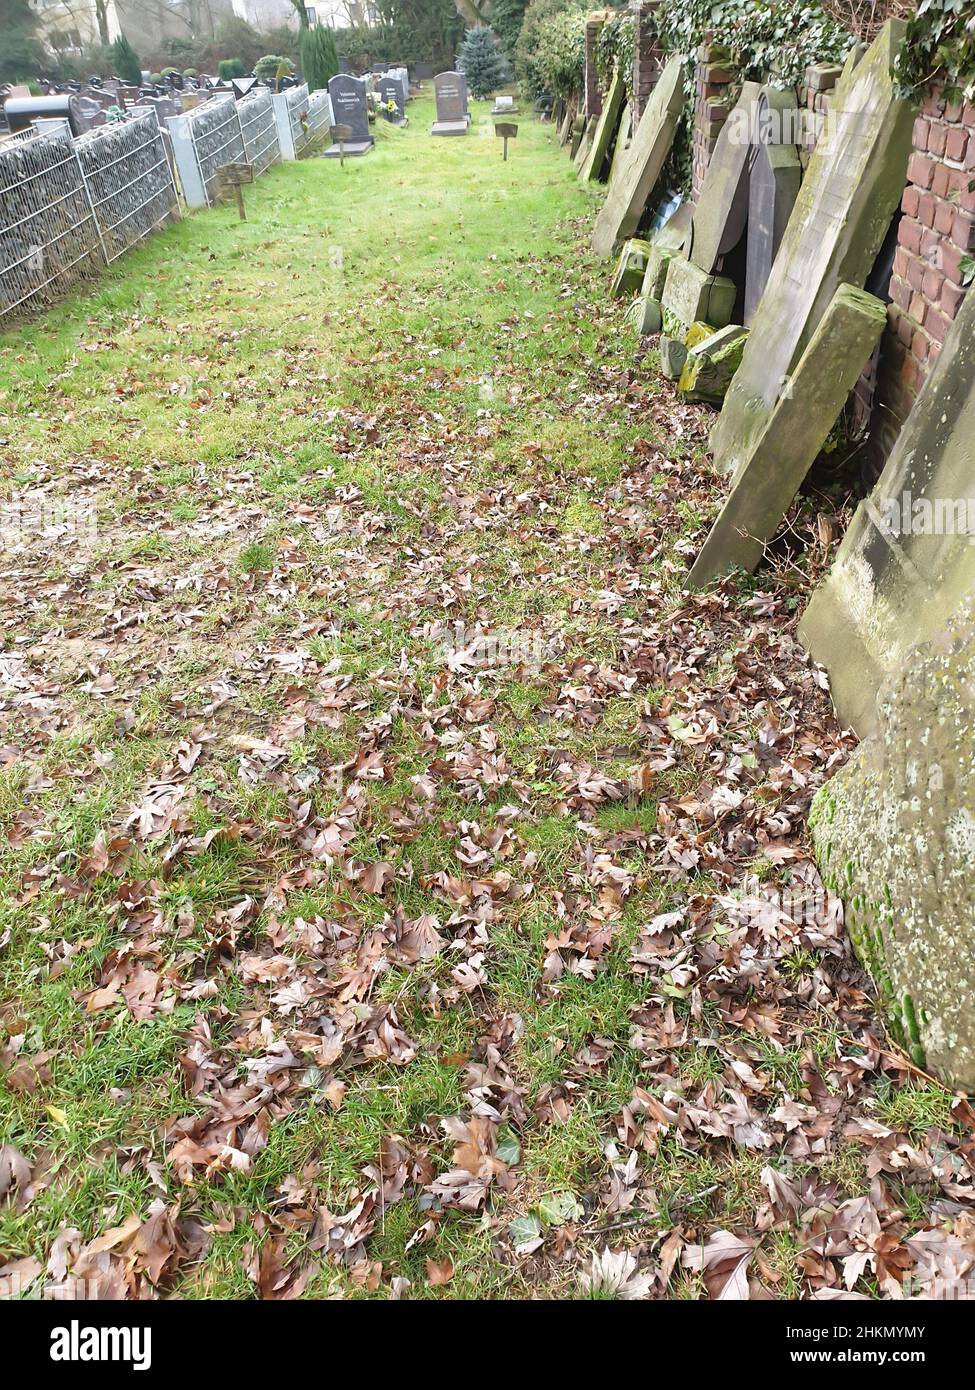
{"x":234,"y":176}
{"x":341,"y":133}
{"x":507,"y":131}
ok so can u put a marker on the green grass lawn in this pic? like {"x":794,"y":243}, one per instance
{"x":284,"y":887}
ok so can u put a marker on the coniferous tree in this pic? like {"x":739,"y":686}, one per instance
{"x":21,"y":52}
{"x":319,"y":60}
{"x":126,"y":61}
{"x":480,"y":62}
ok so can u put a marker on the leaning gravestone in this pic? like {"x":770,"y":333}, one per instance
{"x":719,"y":218}
{"x":851,"y":189}
{"x":774,"y":180}
{"x":797,"y":429}
{"x":636,"y":176}
{"x":450,"y":93}
{"x":908,"y":558}
{"x":348,"y":97}
{"x":592,"y":166}
{"x":585,"y":144}
{"x":894,"y":833}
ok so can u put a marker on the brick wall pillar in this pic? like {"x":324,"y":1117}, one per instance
{"x":592,"y":98}
{"x":814,"y":97}
{"x":933,"y":261}
{"x":648,"y":56}
{"x":715,"y":81}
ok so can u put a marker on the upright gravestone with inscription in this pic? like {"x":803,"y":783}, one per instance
{"x":849,"y":195}
{"x":350,"y":109}
{"x":450,"y":94}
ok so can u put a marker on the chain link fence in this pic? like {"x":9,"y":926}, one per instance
{"x":318,"y":121}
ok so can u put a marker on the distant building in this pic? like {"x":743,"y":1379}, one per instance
{"x":71,"y":25}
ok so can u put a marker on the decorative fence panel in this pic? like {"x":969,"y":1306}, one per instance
{"x":49,"y":237}
{"x":217,"y":139}
{"x":318,"y":121}
{"x":130,"y":185}
{"x":259,"y":131}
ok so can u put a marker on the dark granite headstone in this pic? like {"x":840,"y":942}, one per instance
{"x":348,"y":98}
{"x":393,"y":89}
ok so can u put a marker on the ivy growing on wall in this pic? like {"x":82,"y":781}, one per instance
{"x":940,"y":49}
{"x":775,"y":42}
{"x":615,"y":49}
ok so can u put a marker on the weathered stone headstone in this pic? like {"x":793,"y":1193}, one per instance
{"x":894,"y":833}
{"x":630,"y":268}
{"x":796,"y":431}
{"x":853,"y":184}
{"x":592,"y":166}
{"x":348,"y":97}
{"x":644,"y":315}
{"x":719,"y":218}
{"x":634,"y":180}
{"x":504,"y":106}
{"x":450,"y":93}
{"x":908,"y":558}
{"x":585,"y":144}
{"x":691,"y":294}
{"x":622,"y":144}
{"x":673,"y":355}
{"x":774,"y":179}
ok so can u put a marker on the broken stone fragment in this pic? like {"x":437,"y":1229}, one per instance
{"x":644,"y":314}
{"x":673,"y":355}
{"x":655,"y":275}
{"x":630,"y":268}
{"x":894,"y":833}
{"x":691,"y":294}
{"x":711,"y":364}
{"x":698,"y":333}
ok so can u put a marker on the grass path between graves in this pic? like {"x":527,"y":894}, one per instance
{"x":342,"y":954}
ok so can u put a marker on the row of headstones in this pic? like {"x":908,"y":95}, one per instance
{"x":788,"y":255}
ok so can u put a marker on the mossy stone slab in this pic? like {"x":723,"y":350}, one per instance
{"x":593,"y":165}
{"x":894,"y":834}
{"x":796,"y":431}
{"x":852,"y":187}
{"x":634,"y":180}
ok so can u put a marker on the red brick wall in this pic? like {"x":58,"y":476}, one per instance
{"x":716,"y":81}
{"x":592,"y":101}
{"x":936,"y":234}
{"x":814,"y":95}
{"x":647,"y":54}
